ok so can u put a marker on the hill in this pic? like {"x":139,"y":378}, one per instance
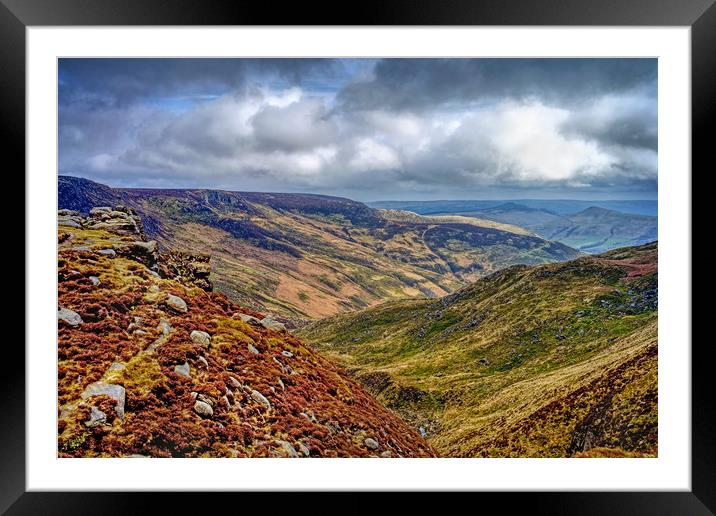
{"x":304,"y":256}
{"x":552,"y":360}
{"x":592,"y":230}
{"x":152,"y":363}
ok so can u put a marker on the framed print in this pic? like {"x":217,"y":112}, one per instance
{"x":422,"y":249}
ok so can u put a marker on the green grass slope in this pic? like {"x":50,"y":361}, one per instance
{"x":547,"y":361}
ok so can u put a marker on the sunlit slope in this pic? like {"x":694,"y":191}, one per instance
{"x":306,"y":256}
{"x":552,"y":360}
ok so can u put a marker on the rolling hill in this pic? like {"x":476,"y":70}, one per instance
{"x":545,"y":361}
{"x":303,"y":256}
{"x":592,"y":230}
{"x":154,"y":364}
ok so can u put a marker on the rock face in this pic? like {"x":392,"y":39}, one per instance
{"x":68,"y":316}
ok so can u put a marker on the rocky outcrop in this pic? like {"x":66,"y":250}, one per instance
{"x":193,"y":269}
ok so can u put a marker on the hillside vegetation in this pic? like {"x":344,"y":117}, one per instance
{"x":546,"y":361}
{"x":303,"y":256}
{"x":152,"y":363}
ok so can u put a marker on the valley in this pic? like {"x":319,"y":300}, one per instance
{"x":303,"y":256}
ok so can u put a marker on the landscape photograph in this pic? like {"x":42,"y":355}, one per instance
{"x":357,"y":257}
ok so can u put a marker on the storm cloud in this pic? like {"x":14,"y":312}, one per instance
{"x":368,"y":129}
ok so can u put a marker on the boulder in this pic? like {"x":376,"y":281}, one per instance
{"x":176,"y":303}
{"x":97,"y":417}
{"x":260,"y":398}
{"x":116,"y":392}
{"x":200,"y":337}
{"x":371,"y":443}
{"x":69,"y":317}
{"x":252,"y":349}
{"x":287,"y":449}
{"x":95,"y":280}
{"x":164,"y":327}
{"x":286,"y":353}
{"x":107,"y":252}
{"x":249,"y":319}
{"x":203,"y":408}
{"x":272,"y":324}
{"x":182,"y":369}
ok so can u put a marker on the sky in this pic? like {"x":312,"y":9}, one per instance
{"x":368,"y":129}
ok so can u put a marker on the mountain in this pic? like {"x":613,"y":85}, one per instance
{"x":302,"y":256}
{"x":552,"y":360}
{"x":557,"y":206}
{"x":592,"y":230}
{"x":152,"y":363}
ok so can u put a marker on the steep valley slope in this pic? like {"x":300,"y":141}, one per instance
{"x":151,"y":363}
{"x":545,"y":361}
{"x":303,"y":257}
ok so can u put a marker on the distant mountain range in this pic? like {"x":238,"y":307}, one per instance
{"x":558,"y":206}
{"x":593,"y":229}
{"x":303,"y":256}
{"x":553,"y":360}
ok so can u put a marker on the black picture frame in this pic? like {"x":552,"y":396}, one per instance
{"x":700,"y":15}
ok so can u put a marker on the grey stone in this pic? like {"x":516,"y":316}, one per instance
{"x":107,"y":252}
{"x":235,"y":383}
{"x":204,"y":362}
{"x":116,"y":366}
{"x":176,"y":303}
{"x":252,"y":349}
{"x":288,"y":449}
{"x":371,"y":443}
{"x":68,"y":316}
{"x":286,"y":353}
{"x":98,"y":210}
{"x":68,"y":223}
{"x":200,"y":337}
{"x":182,"y":369}
{"x":272,"y":324}
{"x":203,"y":408}
{"x":95,"y":280}
{"x":303,"y":449}
{"x":97,"y":417}
{"x":164,"y":327}
{"x":249,"y":319}
{"x":116,"y":392}
{"x":260,"y":398}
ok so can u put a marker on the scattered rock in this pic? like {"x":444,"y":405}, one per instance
{"x":249,"y":319}
{"x":164,"y":327}
{"x":272,"y":324}
{"x":97,"y":417}
{"x":107,"y":252}
{"x":252,"y":349}
{"x":95,"y":280}
{"x":69,"y":317}
{"x":260,"y":398}
{"x":386,"y":454}
{"x":182,"y":369}
{"x":116,"y":392}
{"x":423,"y":432}
{"x":288,"y":449}
{"x":280,"y":382}
{"x":286,"y":353}
{"x":176,"y":303}
{"x":303,"y":449}
{"x":371,"y":443}
{"x":203,"y":408}
{"x":116,"y":366}
{"x":200,"y":337}
{"x":235,"y":383}
{"x":204,"y":362}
